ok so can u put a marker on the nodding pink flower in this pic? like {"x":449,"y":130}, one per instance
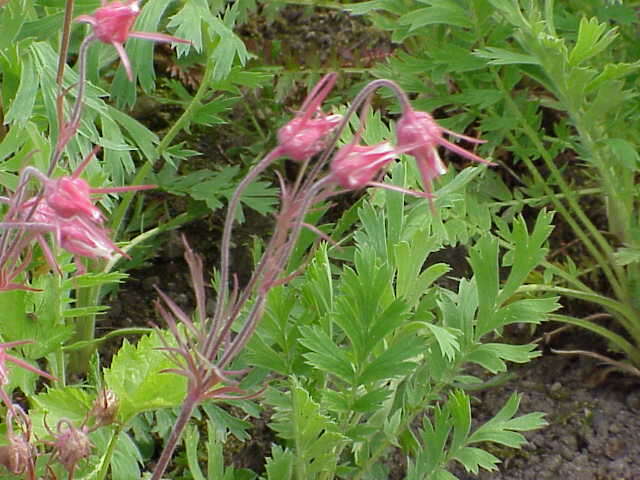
{"x":306,"y":134}
{"x":70,"y":196}
{"x":86,"y":239}
{"x":355,"y":166}
{"x":112,"y":23}
{"x":420,"y":135}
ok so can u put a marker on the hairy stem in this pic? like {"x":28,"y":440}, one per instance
{"x":189,"y":405}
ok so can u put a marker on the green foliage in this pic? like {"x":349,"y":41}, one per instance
{"x":376,"y":342}
{"x":555,"y":82}
{"x":138,"y":377}
{"x":316,"y":437}
{"x":448,"y":437}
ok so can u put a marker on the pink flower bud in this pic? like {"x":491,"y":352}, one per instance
{"x":69,"y":196}
{"x":420,"y":135}
{"x":302,"y":137}
{"x":306,"y":134}
{"x":355,"y":166}
{"x":113,"y":21}
{"x":85,"y":239}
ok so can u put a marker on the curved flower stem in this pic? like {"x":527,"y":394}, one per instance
{"x":228,"y":228}
{"x":62,"y":59}
{"x":358,"y":101}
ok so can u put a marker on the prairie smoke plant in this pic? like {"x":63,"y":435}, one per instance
{"x":355,"y":166}
{"x":112,"y":24}
{"x":205,"y":347}
{"x":65,"y":209}
{"x":18,"y":456}
{"x":200,"y":353}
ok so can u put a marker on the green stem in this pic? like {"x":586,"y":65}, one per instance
{"x":106,"y":459}
{"x":85,"y":327}
{"x":60,"y":367}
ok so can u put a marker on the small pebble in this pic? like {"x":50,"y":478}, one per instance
{"x":556,"y":386}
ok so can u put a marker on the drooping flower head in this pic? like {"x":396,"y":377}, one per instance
{"x":420,"y":135}
{"x":113,"y":21}
{"x":355,"y":166}
{"x":112,"y":24}
{"x":69,"y":197}
{"x":306,"y":134}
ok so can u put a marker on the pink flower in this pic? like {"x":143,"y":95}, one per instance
{"x":112,"y":23}
{"x":306,"y":134}
{"x":86,"y":239}
{"x":69,"y":197}
{"x":355,"y":166}
{"x":75,"y":234}
{"x":420,"y":135}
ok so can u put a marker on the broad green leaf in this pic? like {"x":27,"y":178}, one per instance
{"x":501,"y":56}
{"x":443,"y":11}
{"x":446,"y":338}
{"x":503,"y":428}
{"x":528,"y":310}
{"x":137,"y":378}
{"x":71,"y":403}
{"x":528,"y":252}
{"x":316,"y":437}
{"x":475,"y":458}
{"x":127,"y":459}
{"x":483,"y":258}
{"x":394,"y":361}
{"x":279,"y":465}
{"x":492,"y":355}
{"x":627,"y":256}
{"x":625,"y":153}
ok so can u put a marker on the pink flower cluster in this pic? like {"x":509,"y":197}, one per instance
{"x":65,"y":208}
{"x":356,"y":166}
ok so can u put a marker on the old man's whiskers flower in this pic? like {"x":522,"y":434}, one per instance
{"x":64,"y":209}
{"x":112,"y":24}
{"x":420,"y":135}
{"x":306,"y":134}
{"x":203,"y":348}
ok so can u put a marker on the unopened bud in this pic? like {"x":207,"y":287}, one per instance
{"x":302,"y":138}
{"x":105,"y":408}
{"x":70,"y":197}
{"x":114,"y":21}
